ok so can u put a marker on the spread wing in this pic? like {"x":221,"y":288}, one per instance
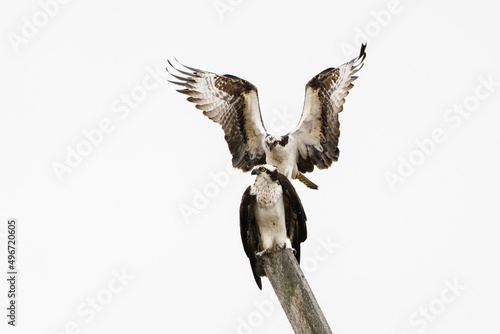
{"x":233,"y":103}
{"x":318,"y":131}
{"x":249,"y":233}
{"x":295,"y":216}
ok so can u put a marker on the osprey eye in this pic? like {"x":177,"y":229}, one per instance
{"x":262,"y":169}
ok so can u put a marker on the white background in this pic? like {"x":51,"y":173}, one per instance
{"x":390,"y":249}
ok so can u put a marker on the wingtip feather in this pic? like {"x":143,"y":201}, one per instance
{"x":362,"y":53}
{"x":188,"y":67}
{"x":179,"y":83}
{"x":183,"y":91}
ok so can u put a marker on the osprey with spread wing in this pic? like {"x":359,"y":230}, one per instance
{"x":233,"y":103}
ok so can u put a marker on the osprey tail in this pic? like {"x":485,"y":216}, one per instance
{"x":306,"y":181}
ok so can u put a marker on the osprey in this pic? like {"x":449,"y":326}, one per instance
{"x":270,"y":212}
{"x":233,"y":103}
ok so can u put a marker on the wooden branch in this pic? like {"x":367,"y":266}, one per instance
{"x":294,"y":293}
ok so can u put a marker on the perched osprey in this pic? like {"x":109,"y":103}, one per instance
{"x":270,"y":212}
{"x":233,"y":103}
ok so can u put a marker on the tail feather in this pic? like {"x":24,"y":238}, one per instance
{"x":257,"y":271}
{"x":306,"y":181}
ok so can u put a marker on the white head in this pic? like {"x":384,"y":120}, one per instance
{"x":271,"y":141}
{"x":268,"y":172}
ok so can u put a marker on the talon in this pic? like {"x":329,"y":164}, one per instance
{"x":260,"y":254}
{"x":278,"y":247}
{"x":294,"y":251}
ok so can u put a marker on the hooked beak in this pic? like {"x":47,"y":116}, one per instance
{"x":256,"y":171}
{"x":271,"y":146}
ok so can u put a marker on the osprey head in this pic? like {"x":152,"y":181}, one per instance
{"x":265,"y":170}
{"x":272,"y":141}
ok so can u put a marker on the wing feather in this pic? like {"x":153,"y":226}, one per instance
{"x":233,"y":103}
{"x":317,"y":134}
{"x":249,"y":232}
{"x":295,"y":216}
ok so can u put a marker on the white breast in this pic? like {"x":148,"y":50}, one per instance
{"x":270,"y":213}
{"x":284,"y":158}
